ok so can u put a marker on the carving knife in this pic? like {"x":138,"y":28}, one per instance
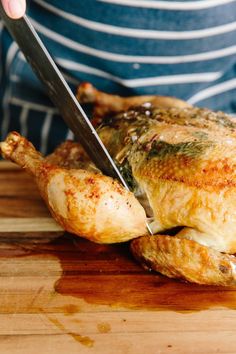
{"x":61,"y":95}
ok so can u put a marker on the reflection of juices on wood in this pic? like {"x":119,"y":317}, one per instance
{"x":108,"y":275}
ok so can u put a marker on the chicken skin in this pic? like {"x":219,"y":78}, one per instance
{"x":82,"y":201}
{"x":179,"y":162}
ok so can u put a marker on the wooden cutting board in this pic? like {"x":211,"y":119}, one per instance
{"x":62,"y":294}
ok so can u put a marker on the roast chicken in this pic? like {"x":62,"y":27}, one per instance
{"x":179,"y":162}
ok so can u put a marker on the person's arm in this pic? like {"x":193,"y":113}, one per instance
{"x":14,"y":8}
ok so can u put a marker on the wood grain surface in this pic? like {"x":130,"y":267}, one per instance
{"x":62,"y":294}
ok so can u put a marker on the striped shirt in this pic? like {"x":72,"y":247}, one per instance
{"x":178,"y":48}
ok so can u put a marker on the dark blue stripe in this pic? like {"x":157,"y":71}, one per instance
{"x":57,"y":49}
{"x":14,"y":123}
{"x":128,"y":45}
{"x":224,"y":101}
{"x":146,"y":18}
{"x":57,"y":133}
{"x":35,"y":124}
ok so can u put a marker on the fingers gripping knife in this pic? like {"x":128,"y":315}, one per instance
{"x":61,"y":95}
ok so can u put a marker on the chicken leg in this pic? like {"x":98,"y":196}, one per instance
{"x":83,"y":202}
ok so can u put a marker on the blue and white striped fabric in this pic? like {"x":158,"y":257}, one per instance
{"x":179,"y":48}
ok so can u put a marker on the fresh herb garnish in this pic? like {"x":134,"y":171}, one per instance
{"x":191,"y":149}
{"x":126,"y":172}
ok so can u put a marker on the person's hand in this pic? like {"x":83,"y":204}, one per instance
{"x":14,"y":8}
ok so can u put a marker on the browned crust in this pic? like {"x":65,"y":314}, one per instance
{"x":69,"y":155}
{"x":86,"y":203}
{"x":184,"y":259}
{"x":215,"y":174}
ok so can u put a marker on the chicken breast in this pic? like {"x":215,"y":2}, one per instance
{"x":183,"y":163}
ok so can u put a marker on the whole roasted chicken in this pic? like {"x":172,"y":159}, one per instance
{"x":180,"y":164}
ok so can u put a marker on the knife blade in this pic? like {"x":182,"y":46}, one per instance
{"x":61,"y":95}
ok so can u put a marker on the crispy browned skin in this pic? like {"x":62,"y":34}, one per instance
{"x":184,"y":259}
{"x":184,"y":161}
{"x":179,"y":161}
{"x":84,"y":202}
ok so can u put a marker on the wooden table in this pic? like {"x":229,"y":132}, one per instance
{"x":62,"y":294}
